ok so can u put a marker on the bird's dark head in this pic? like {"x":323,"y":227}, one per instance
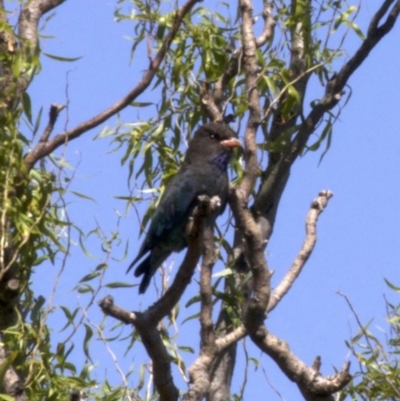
{"x":212,"y":143}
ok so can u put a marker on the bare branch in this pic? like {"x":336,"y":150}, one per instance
{"x":153,"y":343}
{"x":269,"y":24}
{"x":55,"y":110}
{"x":317,"y":207}
{"x":230,"y":338}
{"x":254,"y":251}
{"x":28,"y":22}
{"x":252,"y":70}
{"x":156,"y":350}
{"x":110,"y":309}
{"x":212,"y":101}
{"x":29,"y":19}
{"x":199,"y":375}
{"x":310,"y":382}
{"x":44,"y":149}
{"x":248,"y":229}
{"x":200,"y":370}
{"x":207,"y":335}
{"x":374,"y":35}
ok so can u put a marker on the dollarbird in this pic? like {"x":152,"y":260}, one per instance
{"x":203,"y":172}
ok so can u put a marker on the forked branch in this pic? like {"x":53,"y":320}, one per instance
{"x":313,"y":386}
{"x":333,"y":93}
{"x":153,"y":343}
{"x":146,"y":322}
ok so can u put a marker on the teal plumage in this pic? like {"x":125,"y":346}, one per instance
{"x":203,"y":172}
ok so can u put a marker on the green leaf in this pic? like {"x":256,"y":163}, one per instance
{"x":141,"y":104}
{"x":186,"y":349}
{"x":344,"y":17}
{"x":90,"y":276}
{"x":35,"y":314}
{"x":392,"y":286}
{"x":88,"y":336}
{"x":59,"y":58}
{"x":26,"y":104}
{"x":79,"y":195}
{"x":84,"y":289}
{"x":117,"y":284}
{"x":37,"y":122}
{"x":6,"y":397}
{"x":355,"y":28}
{"x":255,"y":361}
{"x":70,"y":316}
{"x":101,"y":266}
{"x":195,"y":316}
{"x":192,"y":301}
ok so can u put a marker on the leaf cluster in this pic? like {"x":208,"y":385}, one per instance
{"x":378,"y":377}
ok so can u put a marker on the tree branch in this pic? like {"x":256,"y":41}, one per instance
{"x":12,"y":384}
{"x":55,"y":110}
{"x":28,"y":22}
{"x":29,"y":19}
{"x":200,"y":370}
{"x":336,"y":84}
{"x":230,"y":338}
{"x":199,"y":376}
{"x":333,"y":93}
{"x":254,"y":251}
{"x":207,"y":335}
{"x":252,"y":70}
{"x":146,"y":322}
{"x":153,"y":343}
{"x":44,"y":149}
{"x":313,"y":386}
{"x":222,"y":367}
{"x":269,"y":24}
{"x":317,"y":207}
{"x":375,"y":33}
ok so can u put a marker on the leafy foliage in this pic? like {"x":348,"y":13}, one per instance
{"x":378,"y":376}
{"x":34,"y":223}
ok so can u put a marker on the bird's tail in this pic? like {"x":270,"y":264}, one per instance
{"x":139,"y":256}
{"x":143,"y":269}
{"x":131,"y":265}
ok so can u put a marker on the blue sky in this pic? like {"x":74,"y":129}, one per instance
{"x":358,"y":234}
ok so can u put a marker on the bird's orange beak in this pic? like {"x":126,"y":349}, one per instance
{"x":231,"y":143}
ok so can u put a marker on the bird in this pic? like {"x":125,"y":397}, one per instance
{"x":203,"y":172}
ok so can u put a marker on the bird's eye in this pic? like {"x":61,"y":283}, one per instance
{"x":212,"y":136}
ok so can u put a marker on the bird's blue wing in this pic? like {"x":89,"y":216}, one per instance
{"x":174,"y":205}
